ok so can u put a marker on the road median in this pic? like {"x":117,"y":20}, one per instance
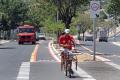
{"x":80,"y":56}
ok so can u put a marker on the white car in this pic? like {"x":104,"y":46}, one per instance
{"x":88,"y":36}
{"x":41,"y":36}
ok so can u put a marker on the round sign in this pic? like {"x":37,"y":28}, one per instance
{"x":95,"y":6}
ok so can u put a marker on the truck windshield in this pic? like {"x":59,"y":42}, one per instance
{"x":26,"y":30}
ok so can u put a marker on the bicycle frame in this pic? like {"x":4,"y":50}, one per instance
{"x":66,"y":63}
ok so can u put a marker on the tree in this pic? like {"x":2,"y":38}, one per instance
{"x":114,"y":9}
{"x":67,"y":9}
{"x":13,"y":13}
{"x":40,"y":11}
{"x":53,"y":27}
{"x":83,"y":20}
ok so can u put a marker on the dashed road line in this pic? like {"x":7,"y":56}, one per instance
{"x":24,"y":71}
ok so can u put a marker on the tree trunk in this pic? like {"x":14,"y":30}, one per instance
{"x":83,"y":35}
{"x":67,"y":26}
{"x":0,"y":33}
{"x":8,"y":34}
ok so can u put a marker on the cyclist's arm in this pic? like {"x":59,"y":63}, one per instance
{"x":73,"y":41}
{"x":64,"y":45}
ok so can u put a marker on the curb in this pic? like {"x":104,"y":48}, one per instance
{"x":98,"y":58}
{"x":81,"y":58}
{"x":52,"y":51}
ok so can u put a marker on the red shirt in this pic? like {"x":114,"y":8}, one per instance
{"x":66,"y":39}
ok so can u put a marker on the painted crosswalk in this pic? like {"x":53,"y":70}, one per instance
{"x":24,"y":71}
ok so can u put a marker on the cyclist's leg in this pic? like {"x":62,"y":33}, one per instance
{"x":71,"y":59}
{"x":62,"y":60}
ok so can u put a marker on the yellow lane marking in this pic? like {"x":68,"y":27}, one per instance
{"x":34,"y":54}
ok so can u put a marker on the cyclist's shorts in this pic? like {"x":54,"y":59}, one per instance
{"x":68,"y":52}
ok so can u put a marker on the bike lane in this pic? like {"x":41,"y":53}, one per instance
{"x":47,"y":67}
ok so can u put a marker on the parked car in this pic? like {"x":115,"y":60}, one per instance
{"x":41,"y":36}
{"x":88,"y":36}
{"x":103,"y":36}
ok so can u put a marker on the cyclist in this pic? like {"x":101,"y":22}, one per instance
{"x":67,"y":42}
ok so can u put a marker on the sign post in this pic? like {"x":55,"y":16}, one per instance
{"x":94,"y":11}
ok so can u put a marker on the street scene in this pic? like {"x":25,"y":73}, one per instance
{"x":59,"y":40}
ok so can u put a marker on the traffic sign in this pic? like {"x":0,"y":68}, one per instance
{"x":94,"y":8}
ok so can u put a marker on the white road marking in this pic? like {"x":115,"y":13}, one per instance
{"x":3,"y":41}
{"x":107,"y":61}
{"x":98,"y":57}
{"x":52,"y":52}
{"x":24,"y":71}
{"x":116,"y":43}
{"x":114,"y":65}
{"x":80,"y":71}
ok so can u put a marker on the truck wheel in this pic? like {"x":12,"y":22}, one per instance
{"x":33,"y":42}
{"x":19,"y":43}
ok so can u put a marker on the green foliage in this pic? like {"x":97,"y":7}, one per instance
{"x":53,"y":27}
{"x":67,"y":9}
{"x":13,"y":12}
{"x":84,"y":21}
{"x":73,"y":30}
{"x":114,"y":7}
{"x":103,"y":15}
{"x":105,"y":24}
{"x":39,"y":11}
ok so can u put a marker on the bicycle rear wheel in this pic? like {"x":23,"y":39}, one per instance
{"x":76,"y":63}
{"x":70,"y":69}
{"x":66,"y":68}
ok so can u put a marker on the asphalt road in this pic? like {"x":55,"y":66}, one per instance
{"x":47,"y":68}
{"x":105,"y":70}
{"x":12,"y":56}
{"x":15,"y":63}
{"x":104,"y":49}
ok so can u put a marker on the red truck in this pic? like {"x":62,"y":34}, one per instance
{"x":26,"y":33}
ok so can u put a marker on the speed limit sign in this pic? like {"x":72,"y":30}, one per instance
{"x":94,"y":8}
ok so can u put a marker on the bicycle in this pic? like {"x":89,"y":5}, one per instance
{"x":66,"y":63}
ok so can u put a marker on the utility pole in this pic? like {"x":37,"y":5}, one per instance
{"x":94,"y":10}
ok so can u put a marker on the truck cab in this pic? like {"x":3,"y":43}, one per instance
{"x":26,"y":33}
